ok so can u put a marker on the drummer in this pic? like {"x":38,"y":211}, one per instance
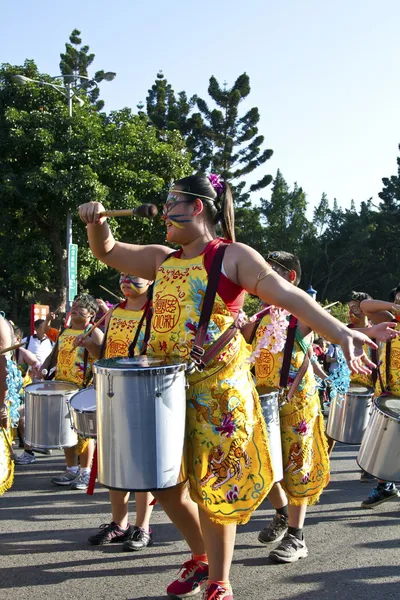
{"x":120,"y":330}
{"x":304,"y":447}
{"x":388,"y":380}
{"x":229,"y":463}
{"x":74,"y":364}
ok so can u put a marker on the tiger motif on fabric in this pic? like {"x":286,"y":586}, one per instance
{"x":226,"y":467}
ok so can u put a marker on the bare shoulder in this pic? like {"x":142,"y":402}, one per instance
{"x":242,"y":264}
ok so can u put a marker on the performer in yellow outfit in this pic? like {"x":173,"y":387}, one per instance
{"x":119,"y":334}
{"x":6,"y":462}
{"x":74,"y":364}
{"x":229,"y":461}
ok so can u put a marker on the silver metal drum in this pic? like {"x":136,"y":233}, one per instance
{"x":270,"y":408}
{"x":82,"y":410}
{"x":348,"y":416}
{"x":47,"y":421}
{"x":141,"y":413}
{"x":379,"y":453}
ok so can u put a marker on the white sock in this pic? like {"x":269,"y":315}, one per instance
{"x":85,"y":470}
{"x":73,"y":470}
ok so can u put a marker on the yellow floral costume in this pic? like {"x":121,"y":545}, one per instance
{"x":229,"y":464}
{"x":70,"y":367}
{"x":304,"y":448}
{"x":394,"y":374}
{"x":121,"y":332}
{"x":6,"y":462}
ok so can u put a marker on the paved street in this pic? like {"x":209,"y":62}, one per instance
{"x":354,"y":553}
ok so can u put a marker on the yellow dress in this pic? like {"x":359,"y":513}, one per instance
{"x":6,"y":462}
{"x":121,"y":332}
{"x":304,"y":448}
{"x":70,"y":367}
{"x":394,"y":375}
{"x":229,"y":464}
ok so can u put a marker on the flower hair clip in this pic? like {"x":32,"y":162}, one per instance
{"x":217,"y":184}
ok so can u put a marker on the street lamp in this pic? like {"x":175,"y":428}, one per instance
{"x":312,"y":293}
{"x":69,"y":92}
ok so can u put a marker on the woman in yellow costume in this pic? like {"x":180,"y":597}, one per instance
{"x":304,"y":447}
{"x":228,"y":456}
{"x":74,"y":364}
{"x":120,"y":329}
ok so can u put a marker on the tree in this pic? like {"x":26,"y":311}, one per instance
{"x":49,"y":164}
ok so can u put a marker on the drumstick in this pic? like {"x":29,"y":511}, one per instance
{"x":111,"y":293}
{"x":95,"y":325}
{"x":14,"y":347}
{"x":148,"y":211}
{"x":331,"y":304}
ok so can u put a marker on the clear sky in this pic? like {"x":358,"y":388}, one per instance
{"x":324,"y":75}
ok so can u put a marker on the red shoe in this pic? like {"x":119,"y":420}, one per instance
{"x":193,"y":575}
{"x":216,"y":592}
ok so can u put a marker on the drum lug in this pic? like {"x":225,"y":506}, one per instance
{"x":110,"y":392}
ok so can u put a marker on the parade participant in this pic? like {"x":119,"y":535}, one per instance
{"x":304,"y":448}
{"x":10,"y":384}
{"x":120,"y":331}
{"x":229,"y":463}
{"x":75,"y":365}
{"x":388,"y":380}
{"x":38,"y":343}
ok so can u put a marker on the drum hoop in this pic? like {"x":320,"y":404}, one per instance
{"x":382,"y":412}
{"x":140,"y":372}
{"x":51,"y":381}
{"x":82,"y":392}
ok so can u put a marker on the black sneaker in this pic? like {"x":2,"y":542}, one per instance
{"x":380,"y":494}
{"x":289,"y":550}
{"x":109,"y":534}
{"x":138,"y":539}
{"x":275,"y":530}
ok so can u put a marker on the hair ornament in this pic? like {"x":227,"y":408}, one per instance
{"x":217,"y":184}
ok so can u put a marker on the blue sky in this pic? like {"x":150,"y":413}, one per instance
{"x":323,"y":75}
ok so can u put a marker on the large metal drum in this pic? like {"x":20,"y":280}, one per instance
{"x":349,"y":415}
{"x":141,"y":413}
{"x":82,"y":410}
{"x":380,"y":449}
{"x":270,"y":408}
{"x":47,"y":421}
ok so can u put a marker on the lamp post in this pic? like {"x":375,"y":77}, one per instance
{"x":312,"y":293}
{"x":69,"y":92}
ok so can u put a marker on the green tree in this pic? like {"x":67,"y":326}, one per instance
{"x":49,"y":164}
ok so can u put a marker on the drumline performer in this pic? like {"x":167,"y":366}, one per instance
{"x":74,"y":364}
{"x":388,"y":380}
{"x":304,"y":447}
{"x":229,"y":462}
{"x":120,"y":330}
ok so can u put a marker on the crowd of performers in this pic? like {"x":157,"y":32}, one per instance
{"x":230,"y":470}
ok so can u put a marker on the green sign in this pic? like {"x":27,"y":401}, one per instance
{"x":72,"y":271}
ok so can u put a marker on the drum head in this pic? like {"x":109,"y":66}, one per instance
{"x":359,"y":390}
{"x":46,"y":388}
{"x":389,"y":405}
{"x":139,"y":363}
{"x":84,"y":400}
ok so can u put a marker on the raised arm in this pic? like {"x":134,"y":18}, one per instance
{"x":142,"y":261}
{"x":379,"y":310}
{"x":246,"y":267}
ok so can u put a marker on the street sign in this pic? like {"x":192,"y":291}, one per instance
{"x":72,"y":271}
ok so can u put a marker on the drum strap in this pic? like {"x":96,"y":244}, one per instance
{"x":375,"y":372}
{"x":258,"y":318}
{"x":388,"y":364}
{"x":300,"y":374}
{"x":146,"y":315}
{"x":287,"y":356}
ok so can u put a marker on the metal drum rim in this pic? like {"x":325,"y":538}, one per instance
{"x":378,"y":408}
{"x":59,"y":392}
{"x":145,"y":371}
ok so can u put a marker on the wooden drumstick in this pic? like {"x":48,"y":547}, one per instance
{"x":14,"y":347}
{"x":95,"y":325}
{"x":148,"y":211}
{"x":111,"y":293}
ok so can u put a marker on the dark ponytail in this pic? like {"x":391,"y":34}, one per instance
{"x":217,"y":200}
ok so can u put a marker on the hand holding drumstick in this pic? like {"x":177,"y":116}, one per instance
{"x":92,"y":342}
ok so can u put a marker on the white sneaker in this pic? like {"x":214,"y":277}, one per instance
{"x":25,"y":459}
{"x":289,"y":550}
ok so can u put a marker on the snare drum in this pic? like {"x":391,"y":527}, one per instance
{"x":349,"y":415}
{"x":141,"y":413}
{"x":47,"y":421}
{"x":82,"y":410}
{"x":270,"y":408}
{"x":379,"y":453}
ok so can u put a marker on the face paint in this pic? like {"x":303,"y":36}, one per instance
{"x":132,"y":282}
{"x":176,"y":219}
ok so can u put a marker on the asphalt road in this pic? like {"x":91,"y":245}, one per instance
{"x":354,"y":554}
